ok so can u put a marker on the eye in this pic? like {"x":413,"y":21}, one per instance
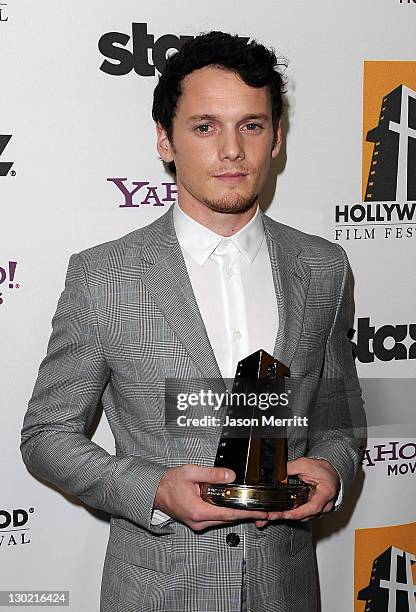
{"x":253,"y":127}
{"x":204,"y":128}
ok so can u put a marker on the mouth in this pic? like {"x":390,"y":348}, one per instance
{"x":231,"y":177}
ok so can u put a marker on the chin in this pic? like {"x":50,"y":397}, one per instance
{"x":231,"y":205}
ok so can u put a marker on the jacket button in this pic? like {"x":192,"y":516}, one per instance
{"x":232,"y":539}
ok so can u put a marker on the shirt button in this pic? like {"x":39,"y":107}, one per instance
{"x":232,"y":539}
{"x":236,"y":334}
{"x":229,"y":271}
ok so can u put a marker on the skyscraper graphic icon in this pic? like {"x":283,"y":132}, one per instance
{"x":392,"y":174}
{"x":391,"y":587}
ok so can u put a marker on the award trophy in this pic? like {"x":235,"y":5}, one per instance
{"x":260,"y":462}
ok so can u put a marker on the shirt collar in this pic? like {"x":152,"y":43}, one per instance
{"x":199,"y":241}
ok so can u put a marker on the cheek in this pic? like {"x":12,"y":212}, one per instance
{"x":196,"y":157}
{"x":263,"y":165}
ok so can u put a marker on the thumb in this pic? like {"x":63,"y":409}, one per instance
{"x":215,"y":475}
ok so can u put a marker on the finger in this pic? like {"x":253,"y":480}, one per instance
{"x":312,"y":508}
{"x":199,"y":526}
{"x":275,"y":516}
{"x":233,"y":514}
{"x":202,"y":510}
{"x":316,"y":501}
{"x":328,"y":508}
{"x":260,"y":524}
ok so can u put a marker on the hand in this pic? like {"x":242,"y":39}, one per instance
{"x":178,"y":496}
{"x":325,"y":486}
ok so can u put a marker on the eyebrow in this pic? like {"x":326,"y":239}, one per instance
{"x":207,"y":117}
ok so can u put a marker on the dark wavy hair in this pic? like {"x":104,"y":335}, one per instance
{"x":256,"y":65}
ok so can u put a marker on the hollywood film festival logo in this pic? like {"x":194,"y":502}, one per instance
{"x":15,"y":527}
{"x":388,"y":207}
{"x":384,"y":569}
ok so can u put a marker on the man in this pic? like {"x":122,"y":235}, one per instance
{"x":188,"y":296}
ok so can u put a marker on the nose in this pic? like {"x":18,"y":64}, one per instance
{"x":231,"y":146}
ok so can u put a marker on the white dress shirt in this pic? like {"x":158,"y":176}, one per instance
{"x":233,"y":285}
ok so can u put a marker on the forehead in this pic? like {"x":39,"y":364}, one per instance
{"x":212,"y":90}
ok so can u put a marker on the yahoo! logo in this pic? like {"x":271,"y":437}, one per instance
{"x":149,"y":194}
{"x":7,"y":275}
{"x":113,"y":46}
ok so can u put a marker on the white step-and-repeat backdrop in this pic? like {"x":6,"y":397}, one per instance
{"x":78,"y":166}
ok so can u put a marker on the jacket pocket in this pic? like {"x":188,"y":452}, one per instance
{"x":138,"y":547}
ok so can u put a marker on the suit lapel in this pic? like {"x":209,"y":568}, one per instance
{"x":291,"y":281}
{"x":168,"y":283}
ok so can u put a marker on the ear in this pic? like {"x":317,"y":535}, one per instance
{"x":164,"y":147}
{"x":277,"y":142}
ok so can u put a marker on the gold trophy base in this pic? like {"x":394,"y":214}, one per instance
{"x":255,"y":497}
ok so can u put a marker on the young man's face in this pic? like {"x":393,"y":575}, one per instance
{"x":222,"y":141}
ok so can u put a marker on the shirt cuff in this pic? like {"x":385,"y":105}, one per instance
{"x":159,"y":517}
{"x":338,"y":500}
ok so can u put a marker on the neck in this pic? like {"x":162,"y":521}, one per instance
{"x":224,"y":224}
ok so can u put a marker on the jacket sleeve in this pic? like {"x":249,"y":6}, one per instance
{"x":54,"y":441}
{"x":338,"y":422}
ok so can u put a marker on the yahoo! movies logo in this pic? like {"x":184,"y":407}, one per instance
{"x":388,"y":207}
{"x":113,"y":45}
{"x":384,"y":569}
{"x":397,"y":457}
{"x":7,"y":278}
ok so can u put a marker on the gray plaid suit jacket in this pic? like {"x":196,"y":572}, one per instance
{"x":126,"y":320}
